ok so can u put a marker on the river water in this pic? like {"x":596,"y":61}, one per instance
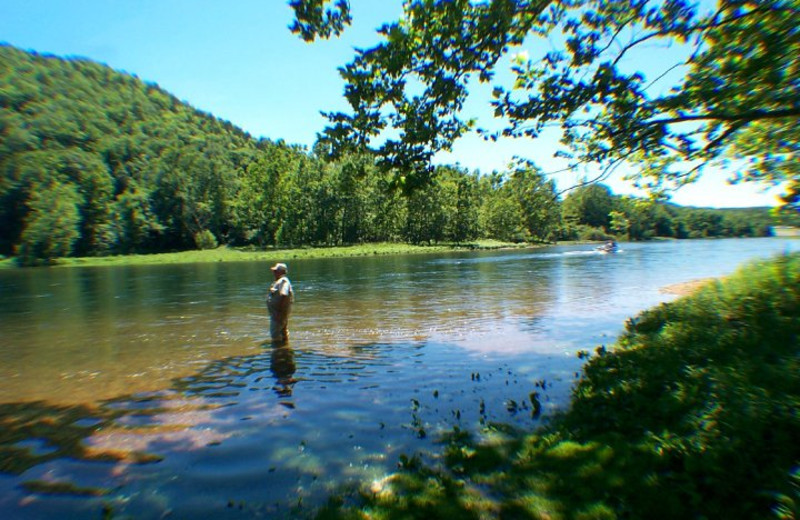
{"x":150,"y":391}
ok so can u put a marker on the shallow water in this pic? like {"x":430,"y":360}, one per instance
{"x":152,"y":390}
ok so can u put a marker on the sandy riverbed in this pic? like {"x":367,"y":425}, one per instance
{"x":685,"y":288}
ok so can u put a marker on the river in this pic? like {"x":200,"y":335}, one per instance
{"x":148,"y":391}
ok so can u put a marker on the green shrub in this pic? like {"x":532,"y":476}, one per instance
{"x":592,"y":233}
{"x":53,"y":226}
{"x":205,"y":240}
{"x":698,"y":401}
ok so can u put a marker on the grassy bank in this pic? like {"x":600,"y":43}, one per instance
{"x":692,"y":414}
{"x":226,"y":254}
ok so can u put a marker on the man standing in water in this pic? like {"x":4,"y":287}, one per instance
{"x":279,"y":304}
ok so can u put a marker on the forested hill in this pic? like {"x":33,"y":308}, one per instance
{"x":97,"y":162}
{"x":104,"y":162}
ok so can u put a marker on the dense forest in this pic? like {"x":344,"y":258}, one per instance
{"x":97,"y":162}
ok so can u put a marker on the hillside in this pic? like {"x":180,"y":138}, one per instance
{"x":108,"y":162}
{"x":96,"y":162}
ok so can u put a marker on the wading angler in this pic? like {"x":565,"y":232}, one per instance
{"x":279,"y":303}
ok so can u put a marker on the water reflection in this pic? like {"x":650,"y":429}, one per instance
{"x":282,"y":366}
{"x":72,"y":336}
{"x":92,"y":334}
{"x":154,"y":390}
{"x":257,"y":429}
{"x":81,"y":335}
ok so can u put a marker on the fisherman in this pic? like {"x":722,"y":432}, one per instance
{"x":279,"y":303}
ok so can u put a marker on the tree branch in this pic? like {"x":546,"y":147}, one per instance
{"x":688,"y":30}
{"x":605,"y":174}
{"x":753,"y":115}
{"x":727,"y":133}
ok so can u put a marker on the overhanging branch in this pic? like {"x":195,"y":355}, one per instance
{"x":752,"y":115}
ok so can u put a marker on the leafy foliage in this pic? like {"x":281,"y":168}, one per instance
{"x":95,"y":162}
{"x":590,"y":205}
{"x":52,"y":229}
{"x":312,"y":19}
{"x":736,"y":98}
{"x":147,"y":171}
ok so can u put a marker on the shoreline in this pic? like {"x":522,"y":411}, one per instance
{"x":228,"y":254}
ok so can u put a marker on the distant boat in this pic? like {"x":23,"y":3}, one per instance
{"x":786,"y":231}
{"x":608,"y":247}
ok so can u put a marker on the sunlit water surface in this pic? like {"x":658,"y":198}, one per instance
{"x":148,"y":391}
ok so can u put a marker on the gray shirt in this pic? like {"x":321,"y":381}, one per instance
{"x":280,"y":289}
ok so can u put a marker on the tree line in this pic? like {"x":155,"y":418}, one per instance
{"x":97,"y":162}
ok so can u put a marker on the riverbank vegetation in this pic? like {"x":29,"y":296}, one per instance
{"x":271,"y":255}
{"x":97,"y":163}
{"x":692,"y":413}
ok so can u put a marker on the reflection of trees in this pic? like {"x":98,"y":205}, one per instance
{"x":105,"y":332}
{"x":98,"y":333}
{"x":410,"y":303}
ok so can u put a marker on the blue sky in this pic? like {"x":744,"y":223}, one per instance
{"x":238,"y":61}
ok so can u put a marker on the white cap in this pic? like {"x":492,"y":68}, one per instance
{"x":280,"y":267}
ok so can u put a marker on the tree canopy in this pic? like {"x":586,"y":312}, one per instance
{"x":736,"y":99}
{"x":132,"y":168}
{"x":96,"y":162}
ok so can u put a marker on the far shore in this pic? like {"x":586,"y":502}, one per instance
{"x":230,"y":254}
